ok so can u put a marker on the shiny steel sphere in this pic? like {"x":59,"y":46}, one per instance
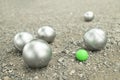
{"x":21,"y":39}
{"x":89,"y":16}
{"x":37,"y":53}
{"x":47,"y":33}
{"x":95,"y":39}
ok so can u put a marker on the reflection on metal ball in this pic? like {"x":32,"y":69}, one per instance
{"x":21,"y":39}
{"x":89,"y":16}
{"x":37,"y":53}
{"x":95,"y":39}
{"x":47,"y":33}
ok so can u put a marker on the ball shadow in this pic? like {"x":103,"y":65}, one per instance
{"x":15,"y":52}
{"x":33,"y":69}
{"x":86,"y":48}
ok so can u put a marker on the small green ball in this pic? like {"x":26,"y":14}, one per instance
{"x":82,"y":55}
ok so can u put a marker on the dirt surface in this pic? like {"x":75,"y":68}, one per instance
{"x":66,"y":17}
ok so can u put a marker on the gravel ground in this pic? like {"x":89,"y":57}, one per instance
{"x":66,"y":17}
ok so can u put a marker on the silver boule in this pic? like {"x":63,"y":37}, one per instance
{"x":47,"y":33}
{"x":89,"y":16}
{"x":21,"y":39}
{"x":95,"y":39}
{"x":37,"y":53}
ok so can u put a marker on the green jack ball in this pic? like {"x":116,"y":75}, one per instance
{"x":82,"y":55}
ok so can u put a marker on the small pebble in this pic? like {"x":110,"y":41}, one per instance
{"x":72,"y":72}
{"x":73,"y":52}
{"x":115,"y":70}
{"x":7,"y":78}
{"x":81,"y":75}
{"x":36,"y":78}
{"x":61,"y":60}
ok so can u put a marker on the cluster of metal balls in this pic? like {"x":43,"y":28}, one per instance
{"x":36,"y":52}
{"x":96,"y":38}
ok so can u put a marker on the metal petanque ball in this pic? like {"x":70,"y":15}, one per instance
{"x":95,"y":39}
{"x":89,"y":16}
{"x":21,"y":39}
{"x":47,"y":33}
{"x":37,"y":53}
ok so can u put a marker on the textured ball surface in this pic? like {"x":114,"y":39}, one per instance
{"x":82,"y":55}
{"x":95,"y":39}
{"x":47,"y":33}
{"x":89,"y":16}
{"x":21,"y":39}
{"x":37,"y":54}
